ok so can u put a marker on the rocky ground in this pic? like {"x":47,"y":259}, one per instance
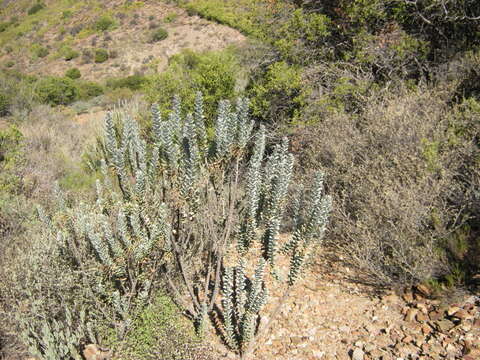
{"x":329,"y":317}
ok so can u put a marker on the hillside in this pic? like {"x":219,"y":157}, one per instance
{"x":274,"y":179}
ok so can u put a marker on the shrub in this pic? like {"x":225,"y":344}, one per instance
{"x":68,"y":53}
{"x":380,"y":169}
{"x":4,"y":26}
{"x":169,"y":18}
{"x":57,"y":91}
{"x":89,"y":89}
{"x":104,"y":23}
{"x":158,"y":35}
{"x":10,"y":63}
{"x":132,"y":82}
{"x":101,"y":55}
{"x":213,"y":73}
{"x":42,"y":52}
{"x":73,"y":73}
{"x":280,"y":94}
{"x":67,"y":14}
{"x":36,"y":8}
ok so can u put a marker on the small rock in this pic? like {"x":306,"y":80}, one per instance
{"x":421,"y":317}
{"x":462,"y":315}
{"x":408,"y":296}
{"x":426,"y":329}
{"x":359,"y":344}
{"x":424,"y":290}
{"x":407,"y":339}
{"x":93,"y":352}
{"x":435,"y":315}
{"x":423,"y":308}
{"x":452,"y":310}
{"x":476,"y":323}
{"x":450,"y":348}
{"x":358,"y":354}
{"x":369,"y":348}
{"x":444,"y":325}
{"x":411,"y":313}
{"x":318,"y":354}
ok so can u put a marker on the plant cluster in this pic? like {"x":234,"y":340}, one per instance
{"x":158,"y":35}
{"x":101,"y":55}
{"x":73,"y":73}
{"x":181,"y":205}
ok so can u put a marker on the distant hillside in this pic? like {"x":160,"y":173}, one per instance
{"x":102,"y":38}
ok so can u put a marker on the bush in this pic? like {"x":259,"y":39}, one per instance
{"x":101,"y":55}
{"x":132,"y":82}
{"x":215,"y":74}
{"x":381,"y":164}
{"x":10,"y":63}
{"x":131,"y":249}
{"x":158,"y":35}
{"x":280,"y":94}
{"x":89,"y":89}
{"x":57,"y":91}
{"x":68,"y":53}
{"x":42,"y":52}
{"x":104,"y":23}
{"x":73,"y":73}
{"x":36,"y":8}
{"x":4,"y":26}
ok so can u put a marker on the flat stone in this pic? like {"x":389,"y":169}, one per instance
{"x":358,"y":354}
{"x":424,"y":290}
{"x":452,"y":310}
{"x":408,"y":297}
{"x":411,"y":313}
{"x":423,"y":308}
{"x":463,"y":315}
{"x":435,"y":315}
{"x":421,"y":317}
{"x":426,"y":329}
{"x":444,"y":325}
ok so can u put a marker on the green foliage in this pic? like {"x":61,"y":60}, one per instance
{"x":67,"y":14}
{"x":158,"y":35}
{"x":68,"y":53}
{"x":41,"y":52}
{"x":89,"y":89}
{"x":10,"y":63}
{"x":36,"y":8}
{"x":4,"y":26}
{"x":11,"y":158}
{"x":104,"y":23}
{"x":243,"y":15}
{"x":132,"y":82}
{"x":101,"y":55}
{"x":57,"y":91}
{"x":73,"y":73}
{"x":160,"y":330}
{"x":303,"y":36}
{"x":171,"y":17}
{"x":280,"y":94}
{"x":213,"y":73}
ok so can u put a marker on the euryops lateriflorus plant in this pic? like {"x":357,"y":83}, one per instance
{"x":198,"y":204}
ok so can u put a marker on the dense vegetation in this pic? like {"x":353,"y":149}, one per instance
{"x":381,"y":96}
